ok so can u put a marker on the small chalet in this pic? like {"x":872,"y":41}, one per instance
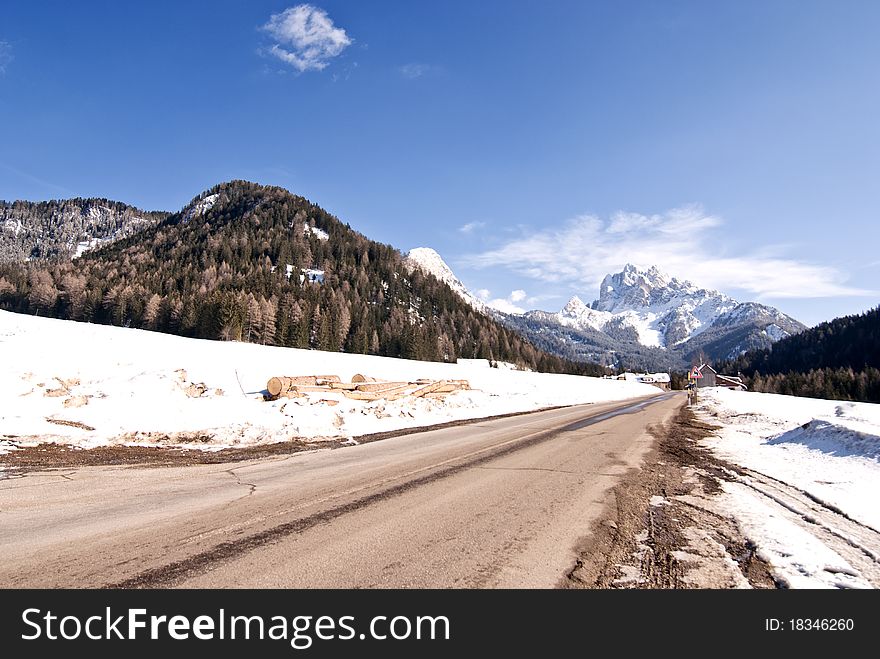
{"x":660,"y":380}
{"x":712,"y":378}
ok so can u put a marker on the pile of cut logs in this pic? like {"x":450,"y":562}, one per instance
{"x":361,"y":387}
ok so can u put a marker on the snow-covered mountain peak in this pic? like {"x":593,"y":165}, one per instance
{"x":635,"y":288}
{"x":633,"y":275}
{"x":574,"y":307}
{"x":646,"y":305}
{"x":641,"y":305}
{"x":578,"y":315}
{"x":428,"y":260}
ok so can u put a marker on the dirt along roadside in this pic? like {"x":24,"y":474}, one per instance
{"x":662,"y":528}
{"x":38,"y":456}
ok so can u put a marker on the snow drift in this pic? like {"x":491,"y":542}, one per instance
{"x":807,"y":494}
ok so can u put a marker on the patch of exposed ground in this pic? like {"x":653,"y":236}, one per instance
{"x":663,"y":530}
{"x":58,"y":456}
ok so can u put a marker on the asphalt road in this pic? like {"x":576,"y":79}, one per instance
{"x":501,"y":503}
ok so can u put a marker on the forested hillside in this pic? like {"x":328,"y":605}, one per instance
{"x":839,"y":359}
{"x":62,"y":229}
{"x":253,"y":263}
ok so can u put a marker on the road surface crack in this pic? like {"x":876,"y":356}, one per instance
{"x":252,"y":486}
{"x":552,"y":471}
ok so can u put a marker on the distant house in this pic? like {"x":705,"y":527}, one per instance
{"x":712,"y":378}
{"x":661,"y":380}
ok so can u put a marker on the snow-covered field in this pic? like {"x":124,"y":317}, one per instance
{"x":809,"y":495}
{"x":93,"y":385}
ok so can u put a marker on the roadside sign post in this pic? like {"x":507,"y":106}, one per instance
{"x":693,"y":375}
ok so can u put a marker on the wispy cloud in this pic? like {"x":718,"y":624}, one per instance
{"x":506,"y":304}
{"x":48,"y":185}
{"x":683,"y":241}
{"x":470,"y":227}
{"x":305,"y":37}
{"x":5,"y":56}
{"x":413,"y":70}
{"x":534,"y":300}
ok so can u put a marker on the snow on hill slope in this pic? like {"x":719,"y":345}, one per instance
{"x":200,"y":207}
{"x":66,"y":228}
{"x":431,"y":262}
{"x":807,"y":491}
{"x":92,"y":385}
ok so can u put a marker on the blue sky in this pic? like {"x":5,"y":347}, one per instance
{"x":535,"y":145}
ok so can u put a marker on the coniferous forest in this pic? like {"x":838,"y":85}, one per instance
{"x":839,"y":359}
{"x":243,"y":268}
{"x":52,"y":229}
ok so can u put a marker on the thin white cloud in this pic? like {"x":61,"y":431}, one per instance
{"x":413,"y":70}
{"x":5,"y":56}
{"x":505,"y":304}
{"x":57,"y":189}
{"x":534,"y":300}
{"x":683,"y":241}
{"x":470,"y":227}
{"x":305,"y":37}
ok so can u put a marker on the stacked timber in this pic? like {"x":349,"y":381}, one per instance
{"x":361,"y":387}
{"x":278,"y":386}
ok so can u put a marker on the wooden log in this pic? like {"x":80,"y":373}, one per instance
{"x":459,"y":384}
{"x":417,"y":392}
{"x":428,"y":388}
{"x":344,"y":385}
{"x":381,"y":386}
{"x":360,"y":395}
{"x":359,"y":378}
{"x":279,"y":385}
{"x":304,"y":387}
{"x":282,"y":383}
{"x":394,"y":393}
{"x":437,"y":394}
{"x":301,"y":379}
